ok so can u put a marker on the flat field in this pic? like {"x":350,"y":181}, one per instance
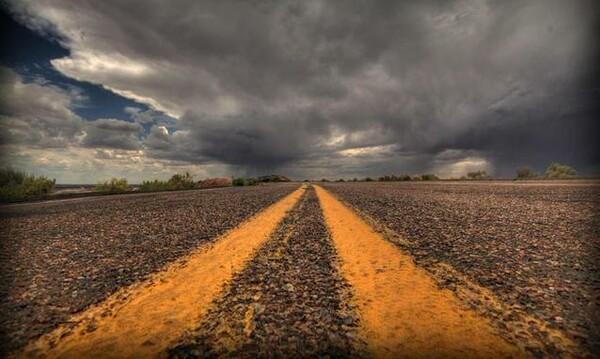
{"x":459,"y":269}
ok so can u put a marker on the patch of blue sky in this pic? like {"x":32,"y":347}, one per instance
{"x":29,"y":54}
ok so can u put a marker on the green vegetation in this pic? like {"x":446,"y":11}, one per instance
{"x":558,"y":171}
{"x":154,"y":186}
{"x":244,"y":181}
{"x":394,"y":178}
{"x":181,"y":181}
{"x":478,"y":175}
{"x":273,"y":178}
{"x":177,"y":182}
{"x":526,"y":173}
{"x":429,"y":177}
{"x":18,"y":185}
{"x":113,"y":186}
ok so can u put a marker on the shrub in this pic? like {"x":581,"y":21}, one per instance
{"x":388,"y":178}
{"x":154,"y":186}
{"x":368,"y":179}
{"x":113,"y":186}
{"x":11,"y":177}
{"x":478,"y":175}
{"x":175,"y":183}
{"x":556,"y":170}
{"x":429,"y":177}
{"x":244,"y":181}
{"x":404,"y":178}
{"x":181,"y":181}
{"x":17,"y":185}
{"x":525,"y":172}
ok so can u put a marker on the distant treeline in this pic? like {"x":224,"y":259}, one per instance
{"x":554,"y":171}
{"x":19,"y":185}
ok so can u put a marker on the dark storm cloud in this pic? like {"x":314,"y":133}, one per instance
{"x":111,"y":133}
{"x":340,"y":86}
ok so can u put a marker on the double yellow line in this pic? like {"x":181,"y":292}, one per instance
{"x":402,"y":312}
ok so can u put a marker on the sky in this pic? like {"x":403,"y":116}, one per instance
{"x":91,"y":90}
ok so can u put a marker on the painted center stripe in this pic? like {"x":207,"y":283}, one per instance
{"x":144,"y":319}
{"x":402,"y":312}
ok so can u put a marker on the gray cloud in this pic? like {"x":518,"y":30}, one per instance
{"x":36,"y":114}
{"x":39,"y":115}
{"x":112,"y":124}
{"x":344,"y":87}
{"x":112,"y":133}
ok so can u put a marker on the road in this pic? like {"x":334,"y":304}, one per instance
{"x":305,"y":276}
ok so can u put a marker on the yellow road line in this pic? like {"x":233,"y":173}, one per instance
{"x":402,"y":311}
{"x":142,"y":320}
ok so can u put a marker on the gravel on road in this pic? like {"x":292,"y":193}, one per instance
{"x":534,"y":245}
{"x":289,"y":302}
{"x":58,"y":258}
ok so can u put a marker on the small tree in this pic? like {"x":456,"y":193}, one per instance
{"x":525,"y":173}
{"x":556,"y":170}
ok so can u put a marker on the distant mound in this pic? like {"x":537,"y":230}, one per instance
{"x":215,"y":182}
{"x":273,"y":178}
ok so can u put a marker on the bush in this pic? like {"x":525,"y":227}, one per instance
{"x":429,"y":177}
{"x":368,"y":179}
{"x":244,"y":181}
{"x":154,"y":186}
{"x":175,"y":183}
{"x":556,"y":170}
{"x":388,"y":178}
{"x":525,"y":172}
{"x":181,"y":181}
{"x":11,"y":177}
{"x":17,"y":185}
{"x":113,"y":186}
{"x":478,"y":175}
